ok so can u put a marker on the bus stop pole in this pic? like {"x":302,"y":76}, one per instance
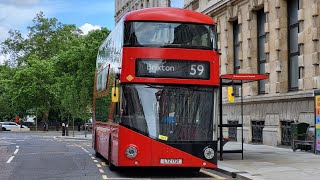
{"x":221,"y":128}
{"x":242,"y":119}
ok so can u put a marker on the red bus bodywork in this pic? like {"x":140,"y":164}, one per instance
{"x":109,"y":136}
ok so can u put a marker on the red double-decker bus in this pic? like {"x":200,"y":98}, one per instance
{"x":156,"y":91}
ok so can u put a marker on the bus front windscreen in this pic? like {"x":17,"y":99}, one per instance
{"x":169,"y":113}
{"x":169,"y":35}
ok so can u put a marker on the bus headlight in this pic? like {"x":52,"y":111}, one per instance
{"x":208,"y":153}
{"x":131,"y":152}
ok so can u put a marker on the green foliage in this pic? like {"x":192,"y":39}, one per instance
{"x":52,"y":70}
{"x":6,"y":106}
{"x":31,"y":86}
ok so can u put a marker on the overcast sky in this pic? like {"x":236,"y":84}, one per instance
{"x":86,"y":14}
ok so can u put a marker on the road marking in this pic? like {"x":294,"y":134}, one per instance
{"x":16,"y":151}
{"x":101,"y":170}
{"x":92,"y":158}
{"x":90,"y":154}
{"x":20,"y":140}
{"x":95,"y":161}
{"x":103,"y":163}
{"x":10,"y":159}
{"x":99,"y":165}
{"x":17,"y":146}
{"x":212,"y":175}
{"x":85,"y":150}
{"x":104,"y":177}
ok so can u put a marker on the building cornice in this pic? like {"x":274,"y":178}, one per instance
{"x":209,"y":10}
{"x":221,"y":5}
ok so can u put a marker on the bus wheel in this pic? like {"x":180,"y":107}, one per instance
{"x":111,"y":166}
{"x":97,"y":154}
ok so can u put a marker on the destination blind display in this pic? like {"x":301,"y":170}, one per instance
{"x":172,"y":69}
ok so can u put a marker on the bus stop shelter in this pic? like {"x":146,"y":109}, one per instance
{"x":234,"y":80}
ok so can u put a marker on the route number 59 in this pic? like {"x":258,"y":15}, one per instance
{"x":196,"y":70}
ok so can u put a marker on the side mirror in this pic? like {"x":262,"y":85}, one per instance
{"x":115,"y":94}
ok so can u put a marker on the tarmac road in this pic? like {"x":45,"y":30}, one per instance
{"x":32,"y":156}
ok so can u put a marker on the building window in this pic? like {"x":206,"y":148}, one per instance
{"x":261,"y":19}
{"x":257,"y":131}
{"x":195,"y":5}
{"x":293,"y":30}
{"x":236,"y":49}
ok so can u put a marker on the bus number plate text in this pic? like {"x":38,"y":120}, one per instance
{"x":170,"y":161}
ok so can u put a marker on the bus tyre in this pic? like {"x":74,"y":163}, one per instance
{"x":97,"y":154}
{"x":111,"y":166}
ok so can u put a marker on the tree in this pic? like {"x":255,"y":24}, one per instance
{"x":31,"y":87}
{"x":75,"y":71}
{"x":53,"y":68}
{"x":46,"y":38}
{"x":6,"y":107}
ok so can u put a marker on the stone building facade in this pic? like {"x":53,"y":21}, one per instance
{"x":279,"y":38}
{"x":124,"y":6}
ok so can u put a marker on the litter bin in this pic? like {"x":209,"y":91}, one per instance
{"x":298,"y":131}
{"x":67,"y":129}
{"x":299,"y":136}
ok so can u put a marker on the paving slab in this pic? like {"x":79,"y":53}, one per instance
{"x":268,"y":162}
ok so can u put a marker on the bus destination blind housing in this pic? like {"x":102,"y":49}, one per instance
{"x":184,"y":69}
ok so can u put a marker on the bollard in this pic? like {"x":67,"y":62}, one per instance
{"x":63,"y":129}
{"x":67,"y":130}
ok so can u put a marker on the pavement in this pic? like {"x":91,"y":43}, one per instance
{"x":83,"y":136}
{"x":268,"y":162}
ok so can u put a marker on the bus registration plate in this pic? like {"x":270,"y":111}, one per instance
{"x":170,"y":161}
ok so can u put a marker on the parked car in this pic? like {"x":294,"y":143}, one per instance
{"x":12,"y":126}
